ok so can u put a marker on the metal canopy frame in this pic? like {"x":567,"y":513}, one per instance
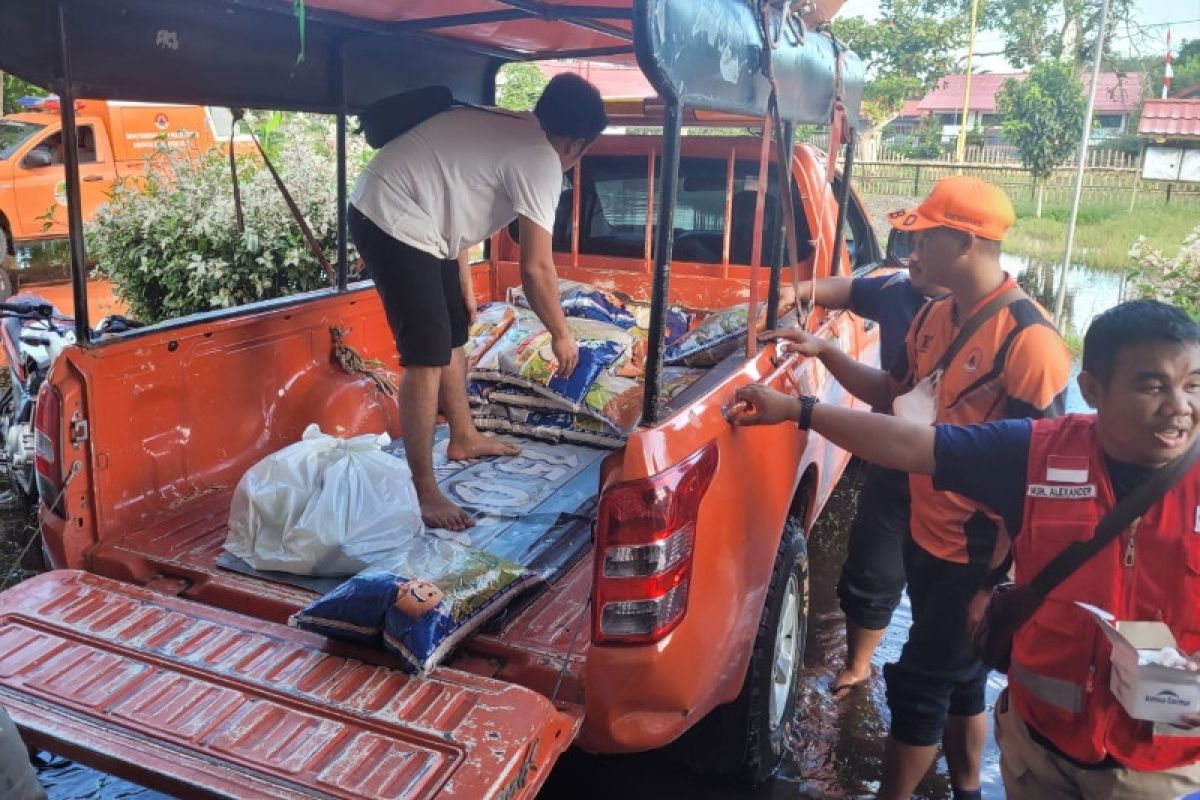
{"x":712,"y":56}
{"x":697,"y":56}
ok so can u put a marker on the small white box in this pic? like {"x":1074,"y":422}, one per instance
{"x":1149,"y":692}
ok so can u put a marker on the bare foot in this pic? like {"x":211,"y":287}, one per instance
{"x":846,"y":680}
{"x":438,"y":512}
{"x":480,"y":446}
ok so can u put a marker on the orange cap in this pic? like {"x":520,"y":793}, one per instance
{"x":962,"y":203}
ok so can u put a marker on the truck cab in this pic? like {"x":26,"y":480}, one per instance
{"x":115,"y":139}
{"x":143,"y":652}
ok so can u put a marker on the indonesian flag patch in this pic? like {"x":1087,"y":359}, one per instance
{"x":1067,"y":469}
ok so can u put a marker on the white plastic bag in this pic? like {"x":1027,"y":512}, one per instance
{"x":920,"y":403}
{"x":323,"y":506}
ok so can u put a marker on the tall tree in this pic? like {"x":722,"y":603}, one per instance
{"x":1043,"y":117}
{"x":907,"y":50}
{"x":1036,"y":30}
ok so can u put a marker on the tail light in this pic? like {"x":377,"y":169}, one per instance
{"x":645,"y":539}
{"x":47,"y":457}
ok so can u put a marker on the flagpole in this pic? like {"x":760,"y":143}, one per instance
{"x":1083,"y":148}
{"x":1168,"y":73}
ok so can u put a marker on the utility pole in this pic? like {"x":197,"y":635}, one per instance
{"x":1083,"y":148}
{"x":960,"y":150}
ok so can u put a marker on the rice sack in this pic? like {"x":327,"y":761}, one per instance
{"x":617,"y":401}
{"x":675,"y":380}
{"x":530,"y":361}
{"x":677,"y":321}
{"x":715,"y":338}
{"x":584,"y":301}
{"x":419,"y":603}
{"x":490,"y":323}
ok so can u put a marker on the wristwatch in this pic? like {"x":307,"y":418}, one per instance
{"x":807,"y":402}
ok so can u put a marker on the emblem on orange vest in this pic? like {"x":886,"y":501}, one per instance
{"x":973,"y":358}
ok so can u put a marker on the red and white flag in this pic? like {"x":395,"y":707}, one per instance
{"x":1167,"y":72}
{"x":1067,"y":469}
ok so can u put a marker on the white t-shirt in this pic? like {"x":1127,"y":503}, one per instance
{"x":457,"y":178}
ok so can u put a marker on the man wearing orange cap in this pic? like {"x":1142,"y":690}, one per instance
{"x":984,"y":352}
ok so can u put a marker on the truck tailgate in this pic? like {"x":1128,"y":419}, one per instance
{"x":196,"y":701}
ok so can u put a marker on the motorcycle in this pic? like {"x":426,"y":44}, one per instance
{"x":33,"y":334}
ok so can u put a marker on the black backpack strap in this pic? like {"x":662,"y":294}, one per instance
{"x":998,"y":303}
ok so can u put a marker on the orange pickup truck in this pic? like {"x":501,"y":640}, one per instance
{"x":143,"y":656}
{"x":115,"y":139}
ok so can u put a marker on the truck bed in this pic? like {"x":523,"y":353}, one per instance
{"x":551,"y":535}
{"x":201,"y":702}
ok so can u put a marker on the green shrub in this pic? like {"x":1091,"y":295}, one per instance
{"x":1172,"y":280}
{"x":170,"y":244}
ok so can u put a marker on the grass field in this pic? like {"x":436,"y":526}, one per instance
{"x":1106,"y":229}
{"x":1103,"y":234}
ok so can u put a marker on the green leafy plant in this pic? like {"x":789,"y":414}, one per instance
{"x":14,"y":89}
{"x":169,"y":240}
{"x":1043,"y":117}
{"x":1170,"y":279}
{"x":925,"y":142}
{"x":519,"y":86}
{"x":907,"y":50}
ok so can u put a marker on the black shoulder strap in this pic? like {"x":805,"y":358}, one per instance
{"x":1001,"y":301}
{"x":918,"y":324}
{"x":1119,"y":517}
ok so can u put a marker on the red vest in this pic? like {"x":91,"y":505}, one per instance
{"x":1060,"y":674}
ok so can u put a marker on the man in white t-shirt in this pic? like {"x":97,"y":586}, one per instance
{"x":427,"y":196}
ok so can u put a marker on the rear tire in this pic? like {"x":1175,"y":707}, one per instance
{"x":747,"y":739}
{"x":27,"y":497}
{"x":6,"y":290}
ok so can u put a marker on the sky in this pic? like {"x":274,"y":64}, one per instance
{"x":1153,"y":16}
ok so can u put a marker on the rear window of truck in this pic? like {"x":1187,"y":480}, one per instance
{"x":613,"y":200}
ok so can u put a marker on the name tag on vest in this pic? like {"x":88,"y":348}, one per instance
{"x":1049,"y":492}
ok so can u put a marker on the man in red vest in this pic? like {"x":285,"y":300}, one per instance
{"x":1061,"y":731}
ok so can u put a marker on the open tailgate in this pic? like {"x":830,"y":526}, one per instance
{"x":196,"y":701}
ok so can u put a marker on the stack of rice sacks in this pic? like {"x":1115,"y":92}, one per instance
{"x":511,"y":366}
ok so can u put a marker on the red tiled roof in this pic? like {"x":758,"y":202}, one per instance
{"x":948,"y":94}
{"x":1170,"y":118}
{"x":1116,"y":94}
{"x":613,"y":80}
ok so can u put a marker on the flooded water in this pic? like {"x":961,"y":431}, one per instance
{"x":837,"y":745}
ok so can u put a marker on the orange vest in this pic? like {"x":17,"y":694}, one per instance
{"x":1060,"y":672}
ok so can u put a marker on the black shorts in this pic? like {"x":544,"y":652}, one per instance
{"x":872,"y":578}
{"x":938,"y":673}
{"x":421,"y":294}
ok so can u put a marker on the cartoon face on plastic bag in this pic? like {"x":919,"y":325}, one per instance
{"x":417,"y":598}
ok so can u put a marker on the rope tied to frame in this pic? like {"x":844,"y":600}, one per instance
{"x":353,"y":363}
